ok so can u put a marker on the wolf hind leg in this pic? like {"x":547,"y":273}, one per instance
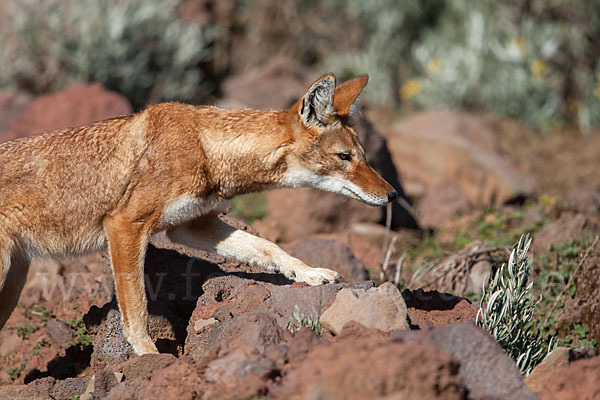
{"x":13,"y":273}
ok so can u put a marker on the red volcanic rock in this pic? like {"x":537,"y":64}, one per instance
{"x":79,"y":104}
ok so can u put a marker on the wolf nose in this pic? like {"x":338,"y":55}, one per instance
{"x":392,"y":196}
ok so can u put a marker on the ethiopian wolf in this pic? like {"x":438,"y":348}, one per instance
{"x":173,"y":167}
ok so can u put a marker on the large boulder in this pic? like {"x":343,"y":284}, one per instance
{"x":79,"y":104}
{"x":433,"y":147}
{"x":234,"y":313}
{"x":442,"y":202}
{"x":371,"y":368}
{"x":583,"y":199}
{"x":568,"y":227}
{"x":12,"y":105}
{"x":486,"y":370}
{"x":432,"y":308}
{"x":277,"y":84}
{"x":318,"y":211}
{"x":579,"y":380}
{"x":327,"y":252}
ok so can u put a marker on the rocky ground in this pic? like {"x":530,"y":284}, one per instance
{"x":400,"y":325}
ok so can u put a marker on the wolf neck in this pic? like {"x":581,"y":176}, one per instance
{"x":247,"y":151}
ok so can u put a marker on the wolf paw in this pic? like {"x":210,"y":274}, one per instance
{"x":316,"y":276}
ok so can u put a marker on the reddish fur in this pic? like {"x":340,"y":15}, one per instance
{"x":74,"y":190}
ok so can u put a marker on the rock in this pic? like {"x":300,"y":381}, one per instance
{"x":433,"y":147}
{"x":584,"y":306}
{"x":538,"y":378}
{"x":143,"y":366}
{"x":38,"y":389}
{"x":59,"y":332}
{"x":252,"y":314}
{"x":583,"y":352}
{"x":173,"y":285}
{"x":311,"y":300}
{"x":200,"y":324}
{"x":104,"y":381}
{"x":576,"y":381}
{"x":432,"y":308}
{"x":255,"y":330}
{"x":583,"y":199}
{"x":240,"y":374}
{"x":486,"y":371}
{"x":130,"y":389}
{"x":77,"y":105}
{"x":110,"y":346}
{"x":12,"y":105}
{"x":277,"y":84}
{"x":328,"y":253}
{"x":379,"y":157}
{"x":382,"y":308}
{"x":442,"y":202}
{"x":319,"y":211}
{"x":9,"y":345}
{"x":372,"y":368}
{"x":377,"y":235}
{"x":69,"y":388}
{"x":178,"y":381}
{"x":568,"y":226}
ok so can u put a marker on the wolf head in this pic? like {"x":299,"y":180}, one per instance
{"x":327,"y":154}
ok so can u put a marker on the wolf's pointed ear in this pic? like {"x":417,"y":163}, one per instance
{"x":347,"y":94}
{"x":316,"y":107}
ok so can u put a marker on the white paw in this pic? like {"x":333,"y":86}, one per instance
{"x":316,"y":276}
{"x":143,"y":346}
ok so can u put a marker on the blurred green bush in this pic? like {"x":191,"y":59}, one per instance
{"x":533,"y":60}
{"x":136,"y":47}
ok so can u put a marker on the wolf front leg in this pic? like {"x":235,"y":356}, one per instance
{"x":127,"y":246}
{"x":212,"y":234}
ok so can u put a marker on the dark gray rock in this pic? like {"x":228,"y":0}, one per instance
{"x":485,"y":369}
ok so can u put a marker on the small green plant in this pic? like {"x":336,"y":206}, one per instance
{"x":300,"y":320}
{"x":40,"y":313}
{"x":15,"y":373}
{"x":82,"y":337}
{"x":507,"y":309}
{"x":139,"y":48}
{"x":24,"y":331}
{"x":81,"y":332}
{"x":578,"y":337}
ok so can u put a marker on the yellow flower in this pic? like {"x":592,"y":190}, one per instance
{"x":538,"y":67}
{"x":597,"y":92}
{"x":517,"y":42}
{"x":410,"y":88}
{"x":433,"y":66}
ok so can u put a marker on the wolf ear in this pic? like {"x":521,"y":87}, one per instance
{"x":316,"y":107}
{"x":346,"y":95}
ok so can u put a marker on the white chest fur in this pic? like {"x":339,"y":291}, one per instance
{"x":187,"y":208}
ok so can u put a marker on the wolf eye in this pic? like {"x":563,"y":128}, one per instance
{"x":344,"y":155}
